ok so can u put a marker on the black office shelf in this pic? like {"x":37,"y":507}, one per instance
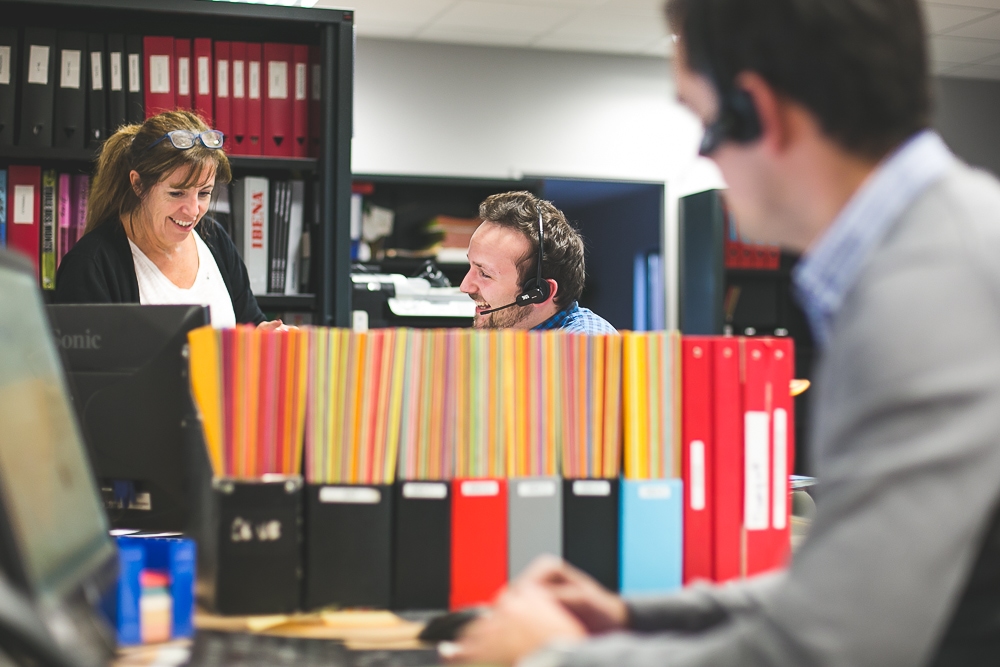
{"x":294,"y":302}
{"x":330,"y":29}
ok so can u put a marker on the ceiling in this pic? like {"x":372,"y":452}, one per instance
{"x":965,"y":34}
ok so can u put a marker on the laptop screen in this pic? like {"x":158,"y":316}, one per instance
{"x":51,"y":503}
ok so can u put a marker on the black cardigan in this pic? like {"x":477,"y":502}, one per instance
{"x":99,"y":269}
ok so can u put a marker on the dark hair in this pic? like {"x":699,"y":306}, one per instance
{"x":562,"y":253}
{"x":859,"y":65}
{"x":111,"y":194}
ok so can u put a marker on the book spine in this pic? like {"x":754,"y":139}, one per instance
{"x":3,"y":208}
{"x":49,"y":250}
{"x":255,"y":230}
{"x":64,"y":219}
{"x":81,"y":197}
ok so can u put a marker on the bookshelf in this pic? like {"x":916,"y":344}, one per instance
{"x":765,"y":305}
{"x":331,"y":30}
{"x":417,"y":199}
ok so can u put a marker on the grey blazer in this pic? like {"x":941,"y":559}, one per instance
{"x":906,"y":439}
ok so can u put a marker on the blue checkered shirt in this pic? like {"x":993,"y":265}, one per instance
{"x":831,"y":267}
{"x":574,"y":319}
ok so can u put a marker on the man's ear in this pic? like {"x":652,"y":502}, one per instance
{"x":553,"y":290}
{"x":772,"y":111}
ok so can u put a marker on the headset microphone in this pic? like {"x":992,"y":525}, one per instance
{"x":536,"y":290}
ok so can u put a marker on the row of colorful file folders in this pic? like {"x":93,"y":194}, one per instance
{"x":507,"y":445}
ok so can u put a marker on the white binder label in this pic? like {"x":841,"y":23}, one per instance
{"x":536,"y":488}
{"x":204,"y":76}
{"x":300,"y":81}
{"x":133,"y":73}
{"x":654,"y":492}
{"x":425,"y":490}
{"x":486,"y":487}
{"x":222,"y":78}
{"x":317,"y":83}
{"x":254,"y":87}
{"x":38,"y":64}
{"x":24,"y":204}
{"x":96,"y":71}
{"x":697,"y":458}
{"x":592,"y":487}
{"x":159,"y":74}
{"x":5,"y":65}
{"x":780,"y":476}
{"x":239,"y":88}
{"x":350,"y":495}
{"x":277,"y":80}
{"x":115,"y":62}
{"x":756,"y":500}
{"x":69,"y":68}
{"x":183,"y":75}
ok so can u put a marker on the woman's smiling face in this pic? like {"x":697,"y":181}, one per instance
{"x":171,"y":211}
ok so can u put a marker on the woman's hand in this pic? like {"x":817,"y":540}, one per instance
{"x":275,"y":325}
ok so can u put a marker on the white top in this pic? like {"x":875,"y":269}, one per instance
{"x":209,"y":289}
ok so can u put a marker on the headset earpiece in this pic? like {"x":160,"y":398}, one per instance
{"x":534,"y":292}
{"x":745,"y":121}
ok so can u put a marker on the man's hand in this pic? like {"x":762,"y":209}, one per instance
{"x":275,"y":325}
{"x":597,"y":609}
{"x":523,"y":620}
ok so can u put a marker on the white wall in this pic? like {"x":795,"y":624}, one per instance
{"x":451,"y":110}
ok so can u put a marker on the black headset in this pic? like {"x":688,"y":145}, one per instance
{"x":737,"y":120}
{"x":535,"y":290}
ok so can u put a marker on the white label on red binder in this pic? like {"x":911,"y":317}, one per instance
{"x":115,"y":62}
{"x":479,"y":488}
{"x":536,"y":488}
{"x":591,"y":487}
{"x":425,"y":490}
{"x":277,"y":80}
{"x":756,"y":497}
{"x":133,"y":73}
{"x":300,"y":81}
{"x":254,"y":88}
{"x":159,"y":74}
{"x":69,"y":68}
{"x":239,"y":88}
{"x":5,"y":65}
{"x":183,"y":75}
{"x":350,"y":495}
{"x":697,"y":458}
{"x":317,"y":84}
{"x":780,"y":476}
{"x":24,"y":204}
{"x":204,"y":76}
{"x":96,"y":71}
{"x":38,"y":64}
{"x":654,"y":492}
{"x":222,"y":78}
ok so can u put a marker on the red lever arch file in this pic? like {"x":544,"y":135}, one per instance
{"x":478,"y":540}
{"x":278,"y":102}
{"x":697,"y":458}
{"x":158,"y":59}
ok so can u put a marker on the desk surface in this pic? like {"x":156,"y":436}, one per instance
{"x":330,"y":639}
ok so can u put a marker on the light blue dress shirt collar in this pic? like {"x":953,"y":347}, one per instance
{"x":829,"y":270}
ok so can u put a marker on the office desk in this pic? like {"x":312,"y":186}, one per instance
{"x":337,"y":639}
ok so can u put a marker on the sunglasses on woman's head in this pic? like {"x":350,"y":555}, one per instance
{"x":184,"y":139}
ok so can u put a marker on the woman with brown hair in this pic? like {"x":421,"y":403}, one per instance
{"x":147,"y":239}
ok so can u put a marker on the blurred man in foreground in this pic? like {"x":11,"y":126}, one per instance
{"x":816,"y":112}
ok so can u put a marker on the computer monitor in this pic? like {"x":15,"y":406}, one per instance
{"x":127,"y":370}
{"x":55,"y":552}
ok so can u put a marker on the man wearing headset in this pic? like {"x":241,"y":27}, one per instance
{"x":526,"y":268}
{"x":816,"y":112}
